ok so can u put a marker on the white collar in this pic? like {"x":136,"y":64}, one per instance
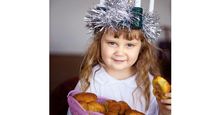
{"x":102,"y":77}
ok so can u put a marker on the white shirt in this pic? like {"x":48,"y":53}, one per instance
{"x":104,"y":85}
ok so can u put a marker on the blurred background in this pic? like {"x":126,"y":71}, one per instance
{"x":69,"y":39}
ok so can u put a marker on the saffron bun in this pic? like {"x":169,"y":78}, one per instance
{"x":86,"y":97}
{"x":116,"y":107}
{"x":112,"y":106}
{"x":96,"y":107}
{"x":124,"y":106}
{"x":160,"y":87}
{"x":133,"y":112}
{"x":83,"y":105}
{"x":89,"y":102}
{"x":111,"y":113}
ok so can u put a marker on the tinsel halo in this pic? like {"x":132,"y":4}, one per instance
{"x":118,"y":14}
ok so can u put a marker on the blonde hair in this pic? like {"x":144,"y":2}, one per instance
{"x":146,"y":62}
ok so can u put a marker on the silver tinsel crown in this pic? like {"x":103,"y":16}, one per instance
{"x":122,"y":14}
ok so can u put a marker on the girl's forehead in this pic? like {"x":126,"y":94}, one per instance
{"x":125,"y":33}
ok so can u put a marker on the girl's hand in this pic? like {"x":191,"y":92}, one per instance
{"x":165,"y":105}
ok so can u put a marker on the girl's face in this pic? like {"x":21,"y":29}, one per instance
{"x":118,"y":53}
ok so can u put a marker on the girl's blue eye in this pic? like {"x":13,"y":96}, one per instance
{"x":130,"y":45}
{"x":111,"y":43}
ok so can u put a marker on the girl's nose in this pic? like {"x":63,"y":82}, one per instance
{"x":120,"y":51}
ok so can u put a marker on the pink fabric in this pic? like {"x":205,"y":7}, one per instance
{"x":75,"y":107}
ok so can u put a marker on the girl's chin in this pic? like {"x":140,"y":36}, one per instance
{"x":119,"y":68}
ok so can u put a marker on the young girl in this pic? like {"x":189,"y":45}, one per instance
{"x":120,"y":65}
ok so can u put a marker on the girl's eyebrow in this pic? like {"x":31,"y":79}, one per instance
{"x":110,"y":40}
{"x":135,"y":43}
{"x":127,"y":41}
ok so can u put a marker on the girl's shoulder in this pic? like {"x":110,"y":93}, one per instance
{"x":96,"y":68}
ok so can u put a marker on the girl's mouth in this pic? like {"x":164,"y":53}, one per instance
{"x":118,"y":60}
